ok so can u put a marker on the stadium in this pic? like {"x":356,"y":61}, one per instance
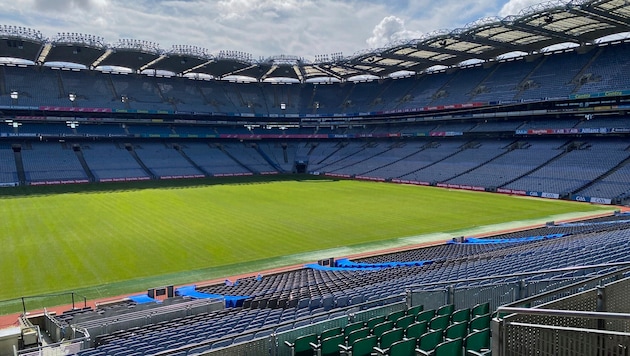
{"x":463,"y":193}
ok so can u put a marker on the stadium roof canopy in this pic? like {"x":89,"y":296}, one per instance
{"x":578,"y":22}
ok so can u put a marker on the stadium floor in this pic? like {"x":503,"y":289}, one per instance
{"x":405,"y":243}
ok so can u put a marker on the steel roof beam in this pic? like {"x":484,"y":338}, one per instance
{"x":471,"y":37}
{"x":326,"y":71}
{"x":606,"y":17}
{"x":541,"y":31}
{"x":236,"y":72}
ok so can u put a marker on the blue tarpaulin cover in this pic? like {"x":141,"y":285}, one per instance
{"x":143,"y":299}
{"x":191,"y":291}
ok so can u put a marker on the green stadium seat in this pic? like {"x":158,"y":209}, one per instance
{"x":352,"y":327}
{"x":360,"y":347}
{"x":480,"y":322}
{"x":426,"y":315}
{"x":446,"y":309}
{"x":379,"y":329}
{"x":393,"y":316}
{"x":330,"y":332}
{"x":301,"y":346}
{"x":480,"y":309}
{"x":357,"y":334}
{"x":374,"y":321}
{"x":439,"y":322}
{"x":430,"y":340}
{"x":328,"y":346}
{"x":460,"y":315}
{"x":478,"y":342}
{"x":457,"y":330}
{"x":406,"y":347}
{"x":415,"y":310}
{"x":389,"y":337}
{"x":446,"y":348}
{"x":404,"y":321}
{"x":416,"y":329}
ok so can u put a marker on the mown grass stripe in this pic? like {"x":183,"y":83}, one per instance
{"x":125,"y":238}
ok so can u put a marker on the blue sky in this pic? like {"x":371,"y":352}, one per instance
{"x":262,"y":28}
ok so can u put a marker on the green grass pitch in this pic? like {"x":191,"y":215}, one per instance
{"x":105,"y":240}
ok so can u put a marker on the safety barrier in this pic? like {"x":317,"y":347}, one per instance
{"x":592,"y":322}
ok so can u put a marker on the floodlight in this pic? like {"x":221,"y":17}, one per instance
{"x":14,"y":95}
{"x":72,"y":97}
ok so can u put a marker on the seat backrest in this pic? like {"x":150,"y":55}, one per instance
{"x":426,"y":315}
{"x":364,"y":346}
{"x":302,"y":343}
{"x":449,"y":348}
{"x":477,"y":340}
{"x":457,"y":330}
{"x":415,"y":310}
{"x":374,"y":321}
{"x":480,"y":309}
{"x":379,"y":329}
{"x":430,"y":340}
{"x":460,"y":315}
{"x":446,"y":309}
{"x":416,"y":329}
{"x":389,"y":337}
{"x":352,"y":327}
{"x":439,"y":322}
{"x":480,"y":322}
{"x":358,"y":334}
{"x":330,"y":332}
{"x":330,"y":346}
{"x":393,"y":316}
{"x":404,"y":321}
{"x":405,"y":347}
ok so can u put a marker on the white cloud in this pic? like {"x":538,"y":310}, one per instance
{"x":513,"y":7}
{"x":260,"y":27}
{"x":68,"y":5}
{"x":390,"y":29}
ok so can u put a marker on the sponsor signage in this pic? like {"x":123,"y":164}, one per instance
{"x":446,"y":133}
{"x":406,"y":181}
{"x":337,"y":175}
{"x":600,"y":95}
{"x":57,"y":182}
{"x":594,"y":200}
{"x":543,"y":195}
{"x":461,"y":186}
{"x":375,"y":179}
{"x":233,"y":174}
{"x":570,"y":131}
{"x":511,"y":191}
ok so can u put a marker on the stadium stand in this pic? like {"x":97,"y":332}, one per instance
{"x":314,"y":298}
{"x":49,"y":162}
{"x":108,"y":161}
{"x":8,"y":171}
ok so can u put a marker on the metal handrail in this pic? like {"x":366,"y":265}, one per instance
{"x":563,"y":313}
{"x":528,"y":300}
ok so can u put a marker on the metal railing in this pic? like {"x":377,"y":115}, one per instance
{"x":518,"y":289}
{"x":592,"y":322}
